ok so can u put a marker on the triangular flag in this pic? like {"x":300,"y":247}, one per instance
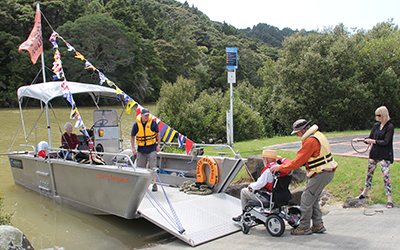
{"x":34,"y":43}
{"x":119,"y":91}
{"x":79,"y":55}
{"x":139,"y":110}
{"x":189,"y":145}
{"x":156,"y":119}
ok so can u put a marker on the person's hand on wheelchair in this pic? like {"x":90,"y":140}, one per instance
{"x":274,"y":169}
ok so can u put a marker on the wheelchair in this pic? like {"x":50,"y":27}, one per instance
{"x":273,"y":212}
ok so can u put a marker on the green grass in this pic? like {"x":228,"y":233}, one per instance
{"x":349,"y":177}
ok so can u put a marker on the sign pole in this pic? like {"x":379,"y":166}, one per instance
{"x":231,"y":65}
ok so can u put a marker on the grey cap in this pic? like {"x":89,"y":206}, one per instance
{"x":299,"y":125}
{"x":145,"y":112}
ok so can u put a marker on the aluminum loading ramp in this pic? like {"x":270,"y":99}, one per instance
{"x":204,"y":217}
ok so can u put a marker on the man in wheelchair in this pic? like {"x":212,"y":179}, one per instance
{"x":261,"y":189}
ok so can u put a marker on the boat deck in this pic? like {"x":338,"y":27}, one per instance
{"x":204,"y":217}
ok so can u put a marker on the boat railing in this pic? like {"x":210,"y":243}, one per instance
{"x":220,"y":146}
{"x":130,"y":163}
{"x":25,"y":145}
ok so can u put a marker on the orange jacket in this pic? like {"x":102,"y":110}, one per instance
{"x":310,"y":147}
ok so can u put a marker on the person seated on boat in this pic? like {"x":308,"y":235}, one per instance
{"x":69,"y":140}
{"x":264,"y":182}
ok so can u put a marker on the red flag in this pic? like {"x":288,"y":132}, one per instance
{"x":189,"y":145}
{"x":34,"y":43}
{"x":138,"y":110}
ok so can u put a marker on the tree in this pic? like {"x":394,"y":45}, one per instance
{"x":203,"y":119}
{"x":325,"y":76}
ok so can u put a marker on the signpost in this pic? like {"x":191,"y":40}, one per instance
{"x":231,"y":65}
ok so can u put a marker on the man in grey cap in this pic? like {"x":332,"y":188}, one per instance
{"x":315,"y":154}
{"x":148,"y":139}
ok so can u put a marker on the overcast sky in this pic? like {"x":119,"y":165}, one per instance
{"x":296,"y":14}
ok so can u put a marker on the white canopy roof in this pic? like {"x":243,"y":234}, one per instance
{"x":49,"y":90}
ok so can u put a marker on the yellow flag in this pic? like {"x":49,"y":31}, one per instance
{"x":119,"y":91}
{"x":131,"y":103}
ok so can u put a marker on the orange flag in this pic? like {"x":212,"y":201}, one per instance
{"x":34,"y":43}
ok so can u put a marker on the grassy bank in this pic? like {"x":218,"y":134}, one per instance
{"x":349,"y":178}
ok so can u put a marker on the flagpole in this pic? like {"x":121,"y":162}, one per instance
{"x":44,"y":80}
{"x":43,"y":66}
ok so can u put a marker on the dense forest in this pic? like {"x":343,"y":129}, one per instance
{"x":156,"y":50}
{"x":138,"y":44}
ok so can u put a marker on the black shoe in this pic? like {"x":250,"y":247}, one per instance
{"x":237,"y":219}
{"x":154,"y":189}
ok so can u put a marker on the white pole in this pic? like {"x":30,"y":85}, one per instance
{"x":231,"y":113}
{"x":44,"y":80}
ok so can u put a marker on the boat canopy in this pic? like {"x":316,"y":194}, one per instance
{"x":50,"y":90}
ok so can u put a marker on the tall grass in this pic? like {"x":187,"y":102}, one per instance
{"x":349,"y":177}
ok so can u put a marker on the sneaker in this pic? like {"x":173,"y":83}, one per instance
{"x":301,"y":231}
{"x":237,"y":218}
{"x":318,"y":229}
{"x":154,"y":189}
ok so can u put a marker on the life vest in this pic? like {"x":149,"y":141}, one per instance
{"x":201,"y":171}
{"x":268,"y":186}
{"x":145,"y":137}
{"x":324,"y":160}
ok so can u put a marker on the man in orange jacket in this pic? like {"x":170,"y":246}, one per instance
{"x":315,"y":154}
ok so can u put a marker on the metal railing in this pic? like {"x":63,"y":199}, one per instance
{"x":130,"y":163}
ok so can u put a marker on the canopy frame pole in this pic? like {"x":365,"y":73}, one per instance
{"x":22,"y":120}
{"x":48,"y":124}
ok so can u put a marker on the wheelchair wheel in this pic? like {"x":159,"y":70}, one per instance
{"x":275,"y":225}
{"x":245,"y":228}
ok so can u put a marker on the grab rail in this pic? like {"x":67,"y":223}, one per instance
{"x":25,"y":145}
{"x":94,"y":152}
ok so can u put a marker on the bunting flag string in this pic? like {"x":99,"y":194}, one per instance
{"x":166,"y":132}
{"x":58,"y":70}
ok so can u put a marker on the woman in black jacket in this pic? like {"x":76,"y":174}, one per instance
{"x":381,"y":138}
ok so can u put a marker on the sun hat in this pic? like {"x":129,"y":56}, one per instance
{"x":299,"y":125}
{"x":270,"y":154}
{"x":145,"y":112}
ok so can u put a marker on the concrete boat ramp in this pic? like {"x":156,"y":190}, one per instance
{"x":203,"y":217}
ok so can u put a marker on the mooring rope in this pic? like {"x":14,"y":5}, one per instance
{"x":375,"y":212}
{"x":369,"y":145}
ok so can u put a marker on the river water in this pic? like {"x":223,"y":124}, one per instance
{"x":48,"y":225}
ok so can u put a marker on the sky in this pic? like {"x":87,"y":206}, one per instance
{"x":300,"y":14}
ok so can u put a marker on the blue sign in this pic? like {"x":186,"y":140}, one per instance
{"x":231,"y":58}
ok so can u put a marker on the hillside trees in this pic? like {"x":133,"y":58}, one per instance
{"x":334,"y":78}
{"x":167,"y":39}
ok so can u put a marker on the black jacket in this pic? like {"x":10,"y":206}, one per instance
{"x":383,"y":149}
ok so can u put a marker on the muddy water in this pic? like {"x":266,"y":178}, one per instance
{"x":50,"y":225}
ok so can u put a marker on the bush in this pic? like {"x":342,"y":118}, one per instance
{"x":6,"y":218}
{"x":203,"y":119}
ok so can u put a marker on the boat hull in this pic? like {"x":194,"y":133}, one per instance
{"x":94,"y":189}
